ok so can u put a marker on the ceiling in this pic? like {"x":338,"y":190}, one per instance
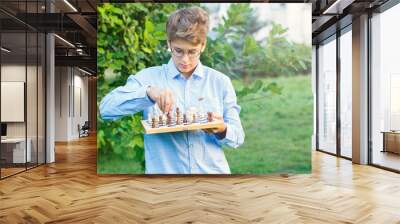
{"x":76,"y":22}
{"x":330,"y":15}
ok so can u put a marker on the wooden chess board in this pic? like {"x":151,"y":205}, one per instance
{"x":177,"y":128}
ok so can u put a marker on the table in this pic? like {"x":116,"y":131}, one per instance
{"x":16,"y":147}
{"x":391,"y":141}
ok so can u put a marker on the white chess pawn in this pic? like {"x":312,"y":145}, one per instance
{"x":189,"y":117}
{"x":149,"y":117}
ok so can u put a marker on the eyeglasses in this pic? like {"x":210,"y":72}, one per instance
{"x":192,"y":53}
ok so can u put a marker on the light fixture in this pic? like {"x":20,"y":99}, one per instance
{"x":84,"y":71}
{"x":70,"y":5}
{"x":5,"y":49}
{"x":65,"y":41}
{"x":337,"y":7}
{"x":80,"y":51}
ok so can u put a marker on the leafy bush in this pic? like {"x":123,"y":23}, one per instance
{"x":130,"y":37}
{"x":283,"y":57}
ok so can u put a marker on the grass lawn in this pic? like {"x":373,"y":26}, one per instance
{"x":278,"y":134}
{"x":112,"y":164}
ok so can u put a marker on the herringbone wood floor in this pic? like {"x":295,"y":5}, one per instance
{"x":70,"y":191}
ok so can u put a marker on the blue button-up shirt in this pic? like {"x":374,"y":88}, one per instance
{"x":188,"y":152}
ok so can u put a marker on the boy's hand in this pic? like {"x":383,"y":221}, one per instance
{"x":163,"y":97}
{"x":217,"y":130}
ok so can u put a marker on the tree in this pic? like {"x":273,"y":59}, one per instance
{"x":235,"y":51}
{"x":130,"y":37}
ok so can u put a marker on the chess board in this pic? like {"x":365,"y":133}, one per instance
{"x":181,"y":127}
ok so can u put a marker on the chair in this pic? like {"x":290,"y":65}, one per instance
{"x":84,"y":130}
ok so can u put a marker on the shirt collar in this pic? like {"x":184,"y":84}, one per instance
{"x":173,"y":72}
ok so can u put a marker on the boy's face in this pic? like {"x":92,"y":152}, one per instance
{"x":185,"y":55}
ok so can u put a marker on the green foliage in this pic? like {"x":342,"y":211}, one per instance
{"x":130,"y":37}
{"x":235,"y":51}
{"x":249,"y":96}
{"x":283,"y":57}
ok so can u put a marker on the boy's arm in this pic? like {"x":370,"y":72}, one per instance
{"x":233,"y":135}
{"x":125,"y":100}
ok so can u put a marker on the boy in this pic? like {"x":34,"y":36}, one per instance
{"x":181,"y":83}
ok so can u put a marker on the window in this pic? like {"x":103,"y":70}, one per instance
{"x":23,"y":77}
{"x":346,"y":94}
{"x":385,"y":89}
{"x":327,"y":96}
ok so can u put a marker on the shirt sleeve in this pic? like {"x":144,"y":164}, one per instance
{"x":125,"y":100}
{"x":234,"y":136}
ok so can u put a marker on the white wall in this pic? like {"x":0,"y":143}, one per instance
{"x":61,"y":103}
{"x":70,"y":84}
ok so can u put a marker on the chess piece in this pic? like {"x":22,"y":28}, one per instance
{"x":189,"y":117}
{"x":178,"y":116}
{"x":164,"y":117}
{"x":203,"y":117}
{"x":161,"y":121}
{"x":169,"y":119}
{"x":210,"y":116}
{"x":194,"y":118}
{"x":154,"y":122}
{"x":185,"y":121}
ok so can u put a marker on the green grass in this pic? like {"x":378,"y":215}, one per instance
{"x":278,"y":132}
{"x":113,"y":164}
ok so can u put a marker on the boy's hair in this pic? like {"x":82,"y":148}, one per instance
{"x":190,"y":24}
